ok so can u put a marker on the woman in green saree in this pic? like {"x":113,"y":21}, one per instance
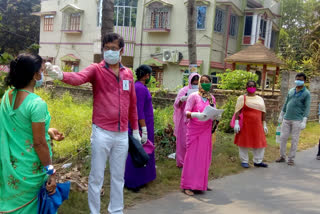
{"x":25,"y":150}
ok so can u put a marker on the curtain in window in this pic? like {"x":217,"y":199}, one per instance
{"x":201,"y":19}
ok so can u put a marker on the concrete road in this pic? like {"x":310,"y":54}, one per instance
{"x":280,"y":189}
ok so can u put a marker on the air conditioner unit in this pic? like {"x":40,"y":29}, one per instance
{"x":170,"y":56}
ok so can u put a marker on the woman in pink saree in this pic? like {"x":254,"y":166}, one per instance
{"x":179,"y":118}
{"x":199,"y":140}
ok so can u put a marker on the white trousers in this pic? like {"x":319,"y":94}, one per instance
{"x":112,"y":146}
{"x":288,"y":127}
{"x":258,"y":154}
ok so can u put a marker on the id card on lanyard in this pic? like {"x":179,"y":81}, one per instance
{"x":125,"y":85}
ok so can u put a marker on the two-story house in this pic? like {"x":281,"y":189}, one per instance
{"x":223,"y":28}
{"x":155,"y":33}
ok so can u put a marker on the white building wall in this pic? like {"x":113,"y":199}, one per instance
{"x":58,"y":44}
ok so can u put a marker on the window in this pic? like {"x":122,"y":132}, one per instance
{"x":72,"y":19}
{"x":219,"y":21}
{"x":215,"y":79}
{"x":248,"y":26}
{"x":125,"y":13}
{"x":201,"y":19}
{"x":48,"y":23}
{"x":158,"y":75}
{"x":273,"y":39}
{"x":75,"y":21}
{"x":158,"y":17}
{"x":233,"y":25}
{"x":263,"y":28}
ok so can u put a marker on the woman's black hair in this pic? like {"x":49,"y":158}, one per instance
{"x":195,"y":78}
{"x":209,"y":78}
{"x":254,"y":82}
{"x":111,"y":37}
{"x":22,"y":70}
{"x":143,"y":70}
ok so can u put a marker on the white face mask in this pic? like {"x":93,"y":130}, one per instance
{"x":111,"y":57}
{"x":194,"y":86}
{"x":39,"y":82}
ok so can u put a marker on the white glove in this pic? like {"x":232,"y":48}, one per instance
{"x":144,"y":136}
{"x":200,"y":116}
{"x":265,"y":128}
{"x":136,"y":135}
{"x":236,"y":127}
{"x":54,"y":71}
{"x":280,"y":119}
{"x":303,"y":124}
{"x":184,"y":98}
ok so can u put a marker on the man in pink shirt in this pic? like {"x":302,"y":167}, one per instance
{"x":114,"y":104}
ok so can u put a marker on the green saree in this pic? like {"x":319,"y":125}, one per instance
{"x":21,"y":172}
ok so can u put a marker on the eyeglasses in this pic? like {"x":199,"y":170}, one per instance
{"x":112,"y":49}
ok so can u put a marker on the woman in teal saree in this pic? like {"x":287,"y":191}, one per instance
{"x":25,"y":150}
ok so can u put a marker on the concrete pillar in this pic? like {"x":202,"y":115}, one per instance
{"x":258,"y":27}
{"x":254,"y":29}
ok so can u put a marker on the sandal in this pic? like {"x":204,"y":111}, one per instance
{"x":290,"y":162}
{"x":188,"y":192}
{"x":209,"y":189}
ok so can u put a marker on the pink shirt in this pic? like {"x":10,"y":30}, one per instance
{"x":114,"y":98}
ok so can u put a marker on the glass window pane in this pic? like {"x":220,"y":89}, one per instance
{"x":116,"y":2}
{"x":233,"y":25}
{"x":122,"y":2}
{"x":127,"y":17}
{"x":115,"y":16}
{"x":120,"y":16}
{"x":218,"y":21}
{"x":133,"y":17}
{"x":201,"y":19}
{"x":133,"y":3}
{"x":248,"y":26}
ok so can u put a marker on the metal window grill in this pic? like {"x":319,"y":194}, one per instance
{"x":48,"y":23}
{"x":158,"y":17}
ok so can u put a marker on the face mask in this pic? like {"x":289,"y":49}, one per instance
{"x":111,"y":57}
{"x":206,"y":86}
{"x":194,"y":86}
{"x":251,"y":90}
{"x":39,"y":82}
{"x":148,"y":80}
{"x":299,"y":82}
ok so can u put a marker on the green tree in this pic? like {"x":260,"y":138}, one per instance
{"x":19,"y":29}
{"x":299,"y":42}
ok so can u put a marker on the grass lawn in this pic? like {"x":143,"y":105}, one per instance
{"x":225,"y":162}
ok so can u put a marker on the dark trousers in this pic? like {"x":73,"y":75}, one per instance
{"x":318,"y":149}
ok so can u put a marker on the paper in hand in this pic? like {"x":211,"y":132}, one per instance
{"x":212,"y":113}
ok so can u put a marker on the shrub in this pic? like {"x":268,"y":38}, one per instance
{"x":165,"y":141}
{"x":229,"y":107}
{"x":235,"y":80}
{"x":5,"y":58}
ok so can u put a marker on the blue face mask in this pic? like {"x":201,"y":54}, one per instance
{"x":111,"y":57}
{"x":39,"y":82}
{"x":299,"y":82}
{"x":194,"y":86}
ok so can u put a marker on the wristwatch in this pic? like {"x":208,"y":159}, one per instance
{"x":49,"y":170}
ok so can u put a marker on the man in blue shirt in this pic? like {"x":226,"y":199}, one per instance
{"x":293,"y":117}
